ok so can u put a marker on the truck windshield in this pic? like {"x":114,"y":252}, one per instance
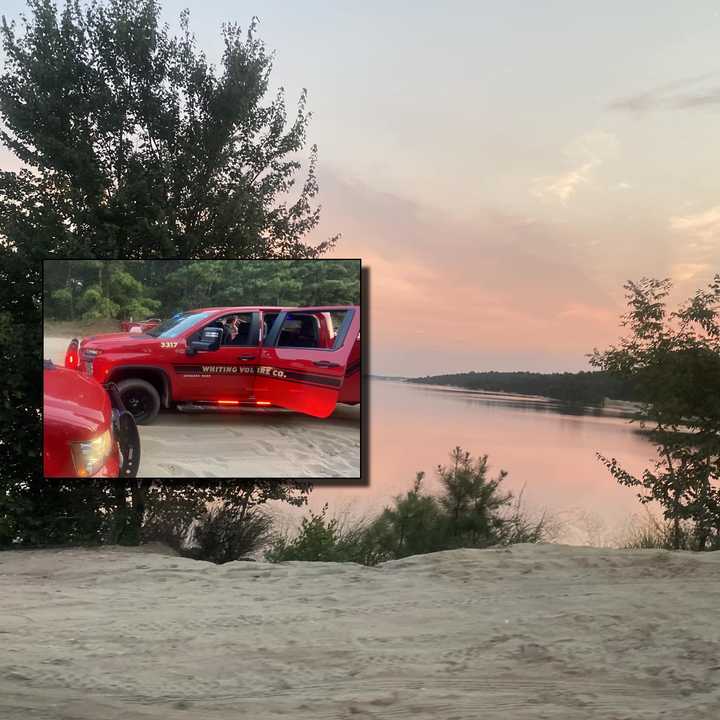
{"x":176,"y":324}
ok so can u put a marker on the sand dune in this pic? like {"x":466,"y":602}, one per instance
{"x":527,"y":632}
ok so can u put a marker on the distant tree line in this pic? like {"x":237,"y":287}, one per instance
{"x":93,"y":289}
{"x":587,"y":388}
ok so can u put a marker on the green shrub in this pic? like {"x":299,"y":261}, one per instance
{"x":471,"y":511}
{"x":651,"y":532}
{"x":224,"y":534}
{"x":60,"y":304}
{"x":324,"y":539}
{"x":94,"y":305}
{"x":415,"y":524}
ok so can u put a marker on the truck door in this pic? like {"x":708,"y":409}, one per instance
{"x":226,"y":374}
{"x":351,"y":389}
{"x":304,"y":356}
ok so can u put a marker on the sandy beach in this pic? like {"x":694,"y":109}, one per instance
{"x":251,"y":444}
{"x":526,"y":632}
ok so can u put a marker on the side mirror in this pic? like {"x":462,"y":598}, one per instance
{"x":209,"y":340}
{"x":195,"y":345}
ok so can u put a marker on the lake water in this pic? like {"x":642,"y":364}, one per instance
{"x":548,"y":451}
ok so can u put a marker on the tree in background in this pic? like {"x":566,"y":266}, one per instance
{"x":215,"y":521}
{"x":577,"y":390}
{"x":240,"y":282}
{"x":673,"y":360}
{"x":132,"y":145}
{"x":93,"y":289}
{"x":469,"y":512}
{"x":108,"y":511}
{"x":137,"y":146}
{"x":471,"y":500}
{"x":89,"y":289}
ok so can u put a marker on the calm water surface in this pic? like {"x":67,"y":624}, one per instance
{"x":548,"y":451}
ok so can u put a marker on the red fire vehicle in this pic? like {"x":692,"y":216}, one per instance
{"x":301,"y":359}
{"x":86,"y":430}
{"x":139,"y":326}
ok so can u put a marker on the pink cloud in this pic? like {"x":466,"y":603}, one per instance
{"x":502,"y":287}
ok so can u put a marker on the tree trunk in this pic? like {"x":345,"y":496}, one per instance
{"x":138,"y":492}
{"x":69,"y":286}
{"x":676,"y":521}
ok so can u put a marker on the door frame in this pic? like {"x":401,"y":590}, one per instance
{"x":310,"y":389}
{"x":273,"y":335}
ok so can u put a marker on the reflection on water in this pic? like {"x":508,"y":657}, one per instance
{"x":548,"y":448}
{"x":533,"y":403}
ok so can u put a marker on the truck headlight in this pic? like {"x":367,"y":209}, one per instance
{"x":90,"y":455}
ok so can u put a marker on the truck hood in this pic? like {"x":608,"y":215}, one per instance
{"x":116,"y":341}
{"x":74,"y":406}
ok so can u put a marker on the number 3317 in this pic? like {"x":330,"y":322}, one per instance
{"x":168,"y":344}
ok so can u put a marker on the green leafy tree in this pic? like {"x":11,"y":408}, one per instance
{"x":93,"y":304}
{"x":132,"y":145}
{"x":142,"y":288}
{"x":128,"y":512}
{"x":413,"y":525}
{"x":59,"y":304}
{"x":136,"y":145}
{"x":130,"y":296}
{"x":673,"y":359}
{"x":223,"y":518}
{"x":328,"y":539}
{"x":472,"y":502}
{"x":471,"y":511}
{"x":56,"y":513}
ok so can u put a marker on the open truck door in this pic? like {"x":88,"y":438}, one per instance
{"x":304,"y":356}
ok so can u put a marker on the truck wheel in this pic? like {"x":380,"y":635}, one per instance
{"x":141,"y":400}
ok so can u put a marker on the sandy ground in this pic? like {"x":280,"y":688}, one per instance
{"x":244,"y":444}
{"x":527,"y":632}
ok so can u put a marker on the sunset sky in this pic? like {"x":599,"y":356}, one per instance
{"x":502,"y":168}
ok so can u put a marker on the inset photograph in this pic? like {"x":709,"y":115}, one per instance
{"x":202,"y":369}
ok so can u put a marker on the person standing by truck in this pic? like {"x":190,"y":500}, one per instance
{"x":232,"y":329}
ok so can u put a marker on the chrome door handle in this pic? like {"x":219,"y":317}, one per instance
{"x":246,"y":357}
{"x":326,"y":364}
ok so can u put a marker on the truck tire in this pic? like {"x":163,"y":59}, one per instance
{"x":141,"y":399}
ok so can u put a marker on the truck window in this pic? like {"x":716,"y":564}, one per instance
{"x":176,"y":324}
{"x":300,"y":330}
{"x":230,"y":337}
{"x":244,"y":325}
{"x":268,"y":321}
{"x":336,"y":321}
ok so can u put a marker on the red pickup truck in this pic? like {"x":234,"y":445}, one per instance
{"x":301,"y":359}
{"x":139,"y":325}
{"x":86,"y":430}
